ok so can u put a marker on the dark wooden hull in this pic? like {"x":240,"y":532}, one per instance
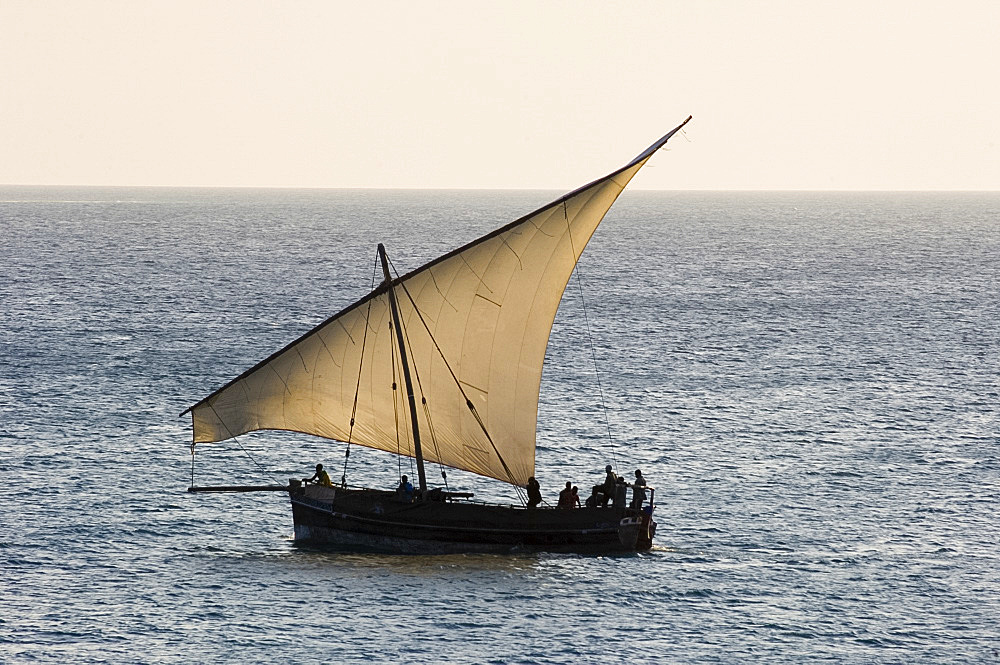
{"x":377,"y":520}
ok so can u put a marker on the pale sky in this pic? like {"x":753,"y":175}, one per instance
{"x":801,"y":94}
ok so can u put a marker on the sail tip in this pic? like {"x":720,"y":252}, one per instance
{"x":648,"y":152}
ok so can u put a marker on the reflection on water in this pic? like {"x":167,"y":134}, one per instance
{"x":421,"y":566}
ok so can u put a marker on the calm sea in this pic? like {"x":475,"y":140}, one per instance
{"x":810,"y":380}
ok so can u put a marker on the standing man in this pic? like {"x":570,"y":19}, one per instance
{"x":608,"y":488}
{"x":638,"y":493}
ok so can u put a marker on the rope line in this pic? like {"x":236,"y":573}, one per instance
{"x":237,"y":441}
{"x":597,"y":372}
{"x":590,"y":337}
{"x":420,"y":389}
{"x":357,"y":388}
{"x":510,"y":476}
{"x":395,"y":406}
{"x":262,"y":469}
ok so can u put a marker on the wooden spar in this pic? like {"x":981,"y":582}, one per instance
{"x":240,"y":488}
{"x":406,"y":371}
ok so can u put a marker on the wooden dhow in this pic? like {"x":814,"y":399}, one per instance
{"x":466,"y":334}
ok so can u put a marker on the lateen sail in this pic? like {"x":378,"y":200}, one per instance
{"x":489,"y":306}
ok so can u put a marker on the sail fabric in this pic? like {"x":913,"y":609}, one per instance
{"x":476,"y":324}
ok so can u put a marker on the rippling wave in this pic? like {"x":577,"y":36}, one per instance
{"x":811,"y":381}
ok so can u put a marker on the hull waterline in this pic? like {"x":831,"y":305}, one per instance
{"x":332,"y":518}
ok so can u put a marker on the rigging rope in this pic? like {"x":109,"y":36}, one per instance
{"x":590,"y":336}
{"x":234,"y":438}
{"x":430,"y":426}
{"x":423,"y":400}
{"x":510,"y":476}
{"x":395,"y":408}
{"x":357,"y":388}
{"x":597,"y":372}
{"x":263,"y":470}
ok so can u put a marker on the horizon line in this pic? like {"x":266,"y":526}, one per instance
{"x":493,"y":189}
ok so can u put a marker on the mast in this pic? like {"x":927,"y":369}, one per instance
{"x":406,"y":370}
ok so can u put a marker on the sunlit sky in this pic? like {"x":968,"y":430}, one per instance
{"x":887,"y":94}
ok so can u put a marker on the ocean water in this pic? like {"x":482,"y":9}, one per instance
{"x":810,"y":380}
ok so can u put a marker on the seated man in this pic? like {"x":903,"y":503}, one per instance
{"x":534,"y":492}
{"x":321,"y":477}
{"x":566,"y":497}
{"x":405,"y":490}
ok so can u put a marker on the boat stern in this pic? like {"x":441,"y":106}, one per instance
{"x":636,"y":532}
